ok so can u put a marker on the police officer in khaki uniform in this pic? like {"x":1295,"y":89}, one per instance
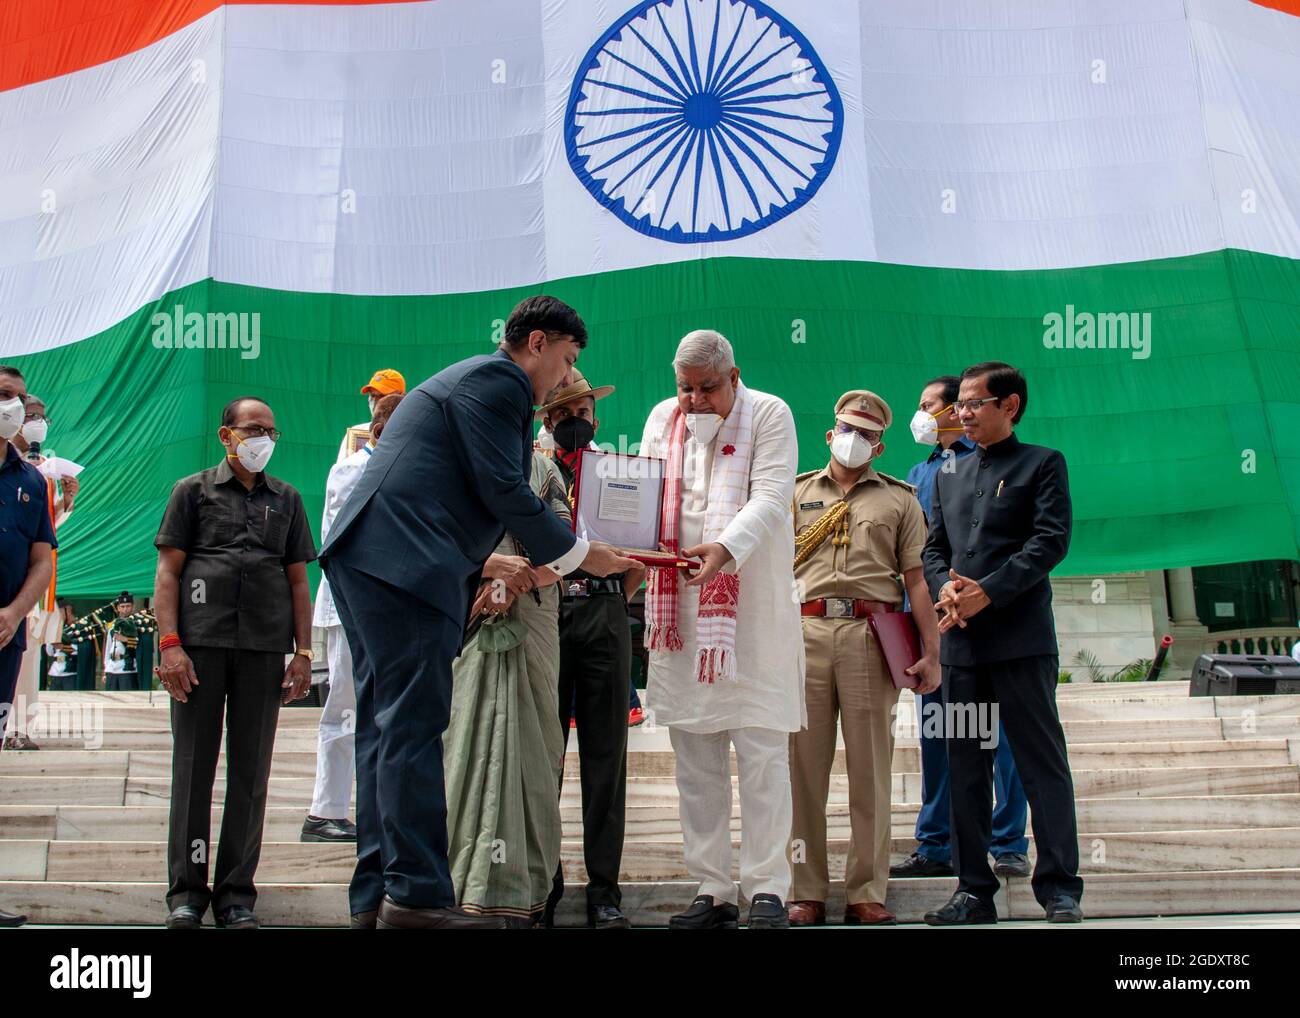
{"x":857,"y":531}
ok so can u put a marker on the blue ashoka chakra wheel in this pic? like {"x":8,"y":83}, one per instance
{"x":702,"y":120}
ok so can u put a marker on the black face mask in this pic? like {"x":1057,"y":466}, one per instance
{"x":573,"y":433}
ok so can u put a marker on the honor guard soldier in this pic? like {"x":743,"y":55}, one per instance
{"x":64,"y":656}
{"x":857,"y":531}
{"x":128,"y":641}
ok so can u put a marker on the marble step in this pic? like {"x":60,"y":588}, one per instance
{"x":1103,"y":690}
{"x":57,"y":715}
{"x":661,"y":823}
{"x":1180,"y":851}
{"x":303,"y":739}
{"x":1141,"y":782}
{"x":288,"y":763}
{"x":651,"y":903}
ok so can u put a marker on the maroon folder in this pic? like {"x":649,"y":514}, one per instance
{"x":900,"y":644}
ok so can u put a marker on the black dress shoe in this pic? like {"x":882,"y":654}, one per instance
{"x":1011,"y":864}
{"x":963,"y":909}
{"x":917,"y":865}
{"x":185,"y":917}
{"x":320,"y":829}
{"x":766,"y":912}
{"x":363,"y":920}
{"x":606,"y":917}
{"x":11,"y":919}
{"x":705,"y":915}
{"x":1064,"y":909}
{"x":237,"y":917}
{"x":393,"y":916}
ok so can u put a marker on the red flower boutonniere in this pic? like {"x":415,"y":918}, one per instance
{"x":727,"y":450}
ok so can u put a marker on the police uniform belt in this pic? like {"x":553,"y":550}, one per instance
{"x":844,"y":608}
{"x":586,"y":588}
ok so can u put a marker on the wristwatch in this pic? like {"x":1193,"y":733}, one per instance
{"x":306,"y":652}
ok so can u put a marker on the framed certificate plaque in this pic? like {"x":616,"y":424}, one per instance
{"x":618,"y":499}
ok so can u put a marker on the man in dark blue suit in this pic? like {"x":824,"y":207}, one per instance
{"x":403,"y":558}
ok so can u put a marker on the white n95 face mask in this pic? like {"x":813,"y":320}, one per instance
{"x":704,"y":427}
{"x":35,"y":431}
{"x":925,"y":428}
{"x":12,"y":413}
{"x":851,"y":449}
{"x":255,"y":453}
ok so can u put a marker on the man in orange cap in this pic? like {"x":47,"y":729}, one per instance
{"x":382,"y":383}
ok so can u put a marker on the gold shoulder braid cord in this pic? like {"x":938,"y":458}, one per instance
{"x":811,"y":539}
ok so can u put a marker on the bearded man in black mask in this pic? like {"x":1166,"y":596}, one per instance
{"x":595,"y":672}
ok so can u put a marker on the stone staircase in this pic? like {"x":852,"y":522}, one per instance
{"x":1186,"y":806}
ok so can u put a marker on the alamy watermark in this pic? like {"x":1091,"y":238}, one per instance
{"x":938,"y":720}
{"x":77,"y":971}
{"x":215,"y":330}
{"x":1104,"y":330}
{"x":61,"y":721}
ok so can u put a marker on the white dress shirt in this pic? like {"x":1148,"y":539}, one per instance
{"x":343,"y":477}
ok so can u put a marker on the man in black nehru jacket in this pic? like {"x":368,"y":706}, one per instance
{"x":999,"y":524}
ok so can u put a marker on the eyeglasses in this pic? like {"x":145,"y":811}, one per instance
{"x":973,"y":404}
{"x":37,"y":417}
{"x":843,"y":429}
{"x":253,"y":431}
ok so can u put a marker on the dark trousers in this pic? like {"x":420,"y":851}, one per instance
{"x":1024,"y":690}
{"x":244,"y":688}
{"x":933,"y":833}
{"x":402,"y":652}
{"x":86,"y":668}
{"x":11,"y":659}
{"x":595,"y":673}
{"x":131,"y":680}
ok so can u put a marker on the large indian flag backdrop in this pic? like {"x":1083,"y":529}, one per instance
{"x":200,"y":200}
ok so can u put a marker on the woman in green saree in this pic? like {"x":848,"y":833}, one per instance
{"x":503,"y":748}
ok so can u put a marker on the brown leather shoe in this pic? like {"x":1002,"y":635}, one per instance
{"x":869,"y":913}
{"x":807,"y":913}
{"x":363,"y":920}
{"x":393,"y":916}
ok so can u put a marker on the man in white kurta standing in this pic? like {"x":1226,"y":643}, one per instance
{"x":726,"y":656}
{"x":45,"y":620}
{"x":336,"y":736}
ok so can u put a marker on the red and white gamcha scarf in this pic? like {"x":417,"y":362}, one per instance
{"x":728,"y":492}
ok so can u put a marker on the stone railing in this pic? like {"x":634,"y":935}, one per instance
{"x":1251,"y":641}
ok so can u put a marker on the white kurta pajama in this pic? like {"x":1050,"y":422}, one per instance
{"x":756,"y":712}
{"x":335,"y":741}
{"x":44,"y":625}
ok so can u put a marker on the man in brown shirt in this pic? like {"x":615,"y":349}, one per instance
{"x":847,"y":567}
